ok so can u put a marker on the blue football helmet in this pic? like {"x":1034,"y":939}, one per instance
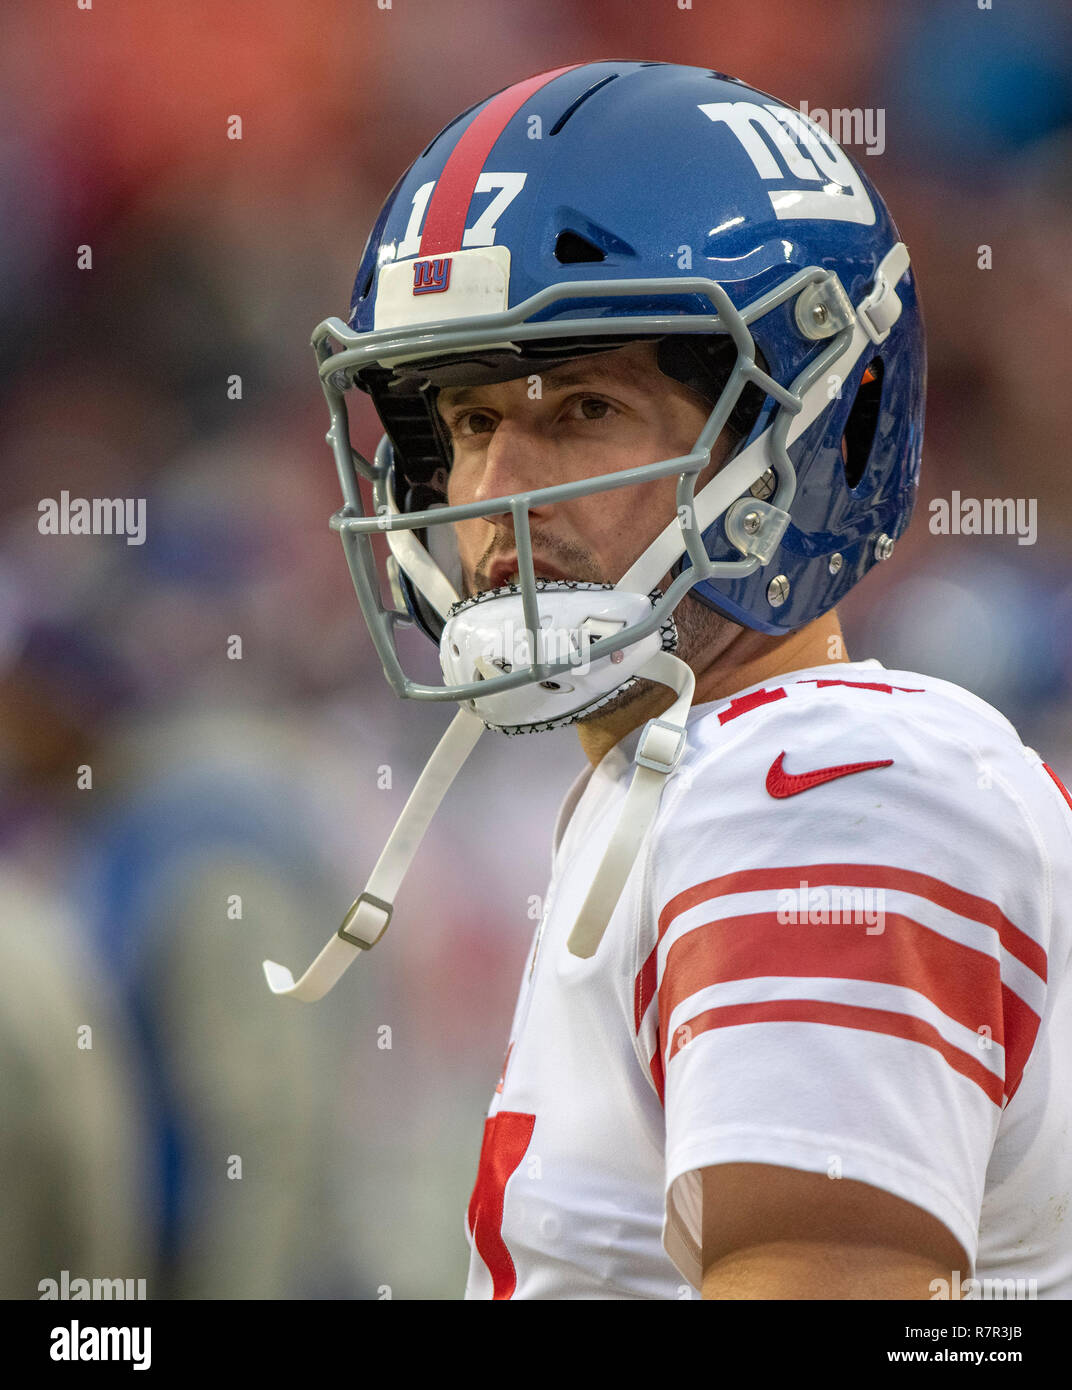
{"x":574,"y":212}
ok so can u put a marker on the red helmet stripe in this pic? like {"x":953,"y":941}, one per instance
{"x":444,"y":222}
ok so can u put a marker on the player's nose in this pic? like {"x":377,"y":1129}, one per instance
{"x":517,"y":460}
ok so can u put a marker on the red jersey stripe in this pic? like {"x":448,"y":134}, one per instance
{"x":1016,"y":1052}
{"x":656,"y":1068}
{"x":961,"y":981}
{"x":842,"y":1016}
{"x":444,"y":222}
{"x":957,"y":900}
{"x":865,"y":685}
{"x":1059,"y":784}
{"x":745,"y":703}
{"x":1021,"y":1030}
{"x":506,"y":1137}
{"x":644,"y":987}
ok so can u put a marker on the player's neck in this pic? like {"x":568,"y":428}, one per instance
{"x":751,"y":658}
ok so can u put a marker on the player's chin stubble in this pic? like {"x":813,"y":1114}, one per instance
{"x":701,"y":635}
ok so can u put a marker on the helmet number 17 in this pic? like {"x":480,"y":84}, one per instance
{"x":506,"y":187}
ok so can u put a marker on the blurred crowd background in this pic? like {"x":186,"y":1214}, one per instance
{"x":278,"y":776}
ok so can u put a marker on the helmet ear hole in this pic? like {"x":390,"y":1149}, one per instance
{"x":862,"y":422}
{"x":571,"y":249}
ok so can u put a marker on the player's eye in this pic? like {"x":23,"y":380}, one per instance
{"x":589,"y":408}
{"x":471,"y":422}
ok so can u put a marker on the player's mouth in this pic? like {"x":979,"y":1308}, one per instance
{"x":505,"y":571}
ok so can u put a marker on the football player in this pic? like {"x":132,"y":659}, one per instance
{"x":797,"y":1020}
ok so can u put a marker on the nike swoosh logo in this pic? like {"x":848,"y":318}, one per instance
{"x":781,"y":783}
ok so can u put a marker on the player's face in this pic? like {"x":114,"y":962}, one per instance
{"x":598,"y":414}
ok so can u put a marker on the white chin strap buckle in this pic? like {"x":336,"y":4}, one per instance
{"x":661,"y":746}
{"x":350,"y":921}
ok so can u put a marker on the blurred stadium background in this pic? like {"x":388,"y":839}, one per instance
{"x":262,"y":776}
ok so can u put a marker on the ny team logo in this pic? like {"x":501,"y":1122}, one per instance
{"x":431,"y":277}
{"x":786,"y":145}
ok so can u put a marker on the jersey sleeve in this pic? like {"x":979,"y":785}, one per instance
{"x":846,"y":975}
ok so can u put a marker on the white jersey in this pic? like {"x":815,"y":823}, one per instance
{"x":855,"y":970}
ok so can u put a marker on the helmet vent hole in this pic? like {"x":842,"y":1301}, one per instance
{"x":570,"y":249}
{"x":862,"y":422}
{"x":572,"y":107}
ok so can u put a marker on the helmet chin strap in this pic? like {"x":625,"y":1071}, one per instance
{"x":658,"y":752}
{"x":371,"y":912}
